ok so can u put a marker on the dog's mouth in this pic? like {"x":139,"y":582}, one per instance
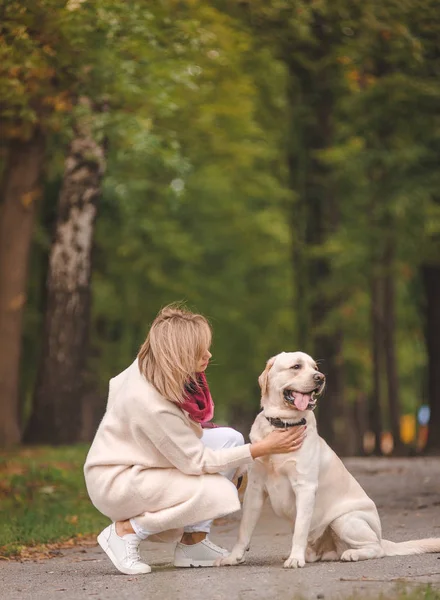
{"x":300,"y":400}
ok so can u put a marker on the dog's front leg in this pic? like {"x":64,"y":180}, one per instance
{"x":252,"y":505}
{"x":305,"y":502}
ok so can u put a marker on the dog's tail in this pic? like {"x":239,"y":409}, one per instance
{"x":412,"y":547}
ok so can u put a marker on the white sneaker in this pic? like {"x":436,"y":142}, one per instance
{"x":203,"y":554}
{"x":123,"y":551}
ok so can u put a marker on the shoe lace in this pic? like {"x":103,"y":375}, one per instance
{"x":133,"y":551}
{"x":214,"y":546}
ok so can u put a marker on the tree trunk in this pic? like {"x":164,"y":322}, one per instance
{"x":20,"y":191}
{"x":360,"y":423}
{"x":56,"y":414}
{"x":334,"y":418}
{"x":389,"y":331}
{"x":315,"y":216}
{"x":376,"y":352}
{"x":431,"y":282}
{"x":92,"y":410}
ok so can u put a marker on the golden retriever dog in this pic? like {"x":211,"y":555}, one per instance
{"x":333,"y":517}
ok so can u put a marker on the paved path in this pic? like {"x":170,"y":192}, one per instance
{"x":407,"y":492}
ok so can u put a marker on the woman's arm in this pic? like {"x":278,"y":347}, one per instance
{"x":177,"y":442}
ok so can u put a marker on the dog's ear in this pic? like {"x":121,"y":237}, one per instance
{"x":262,"y":380}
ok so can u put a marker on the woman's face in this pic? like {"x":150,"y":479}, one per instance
{"x":204,"y":361}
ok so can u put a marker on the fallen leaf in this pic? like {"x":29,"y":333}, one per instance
{"x":73,"y":519}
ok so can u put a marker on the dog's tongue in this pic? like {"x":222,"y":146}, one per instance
{"x":302,"y":400}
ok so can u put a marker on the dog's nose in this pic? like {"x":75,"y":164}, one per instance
{"x":319,"y":377}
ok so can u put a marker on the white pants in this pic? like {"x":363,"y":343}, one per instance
{"x":216,"y":439}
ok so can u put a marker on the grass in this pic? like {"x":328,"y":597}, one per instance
{"x":44,"y":499}
{"x":421,"y":593}
{"x":425,"y":592}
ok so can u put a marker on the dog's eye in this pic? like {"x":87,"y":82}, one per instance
{"x":296,"y":367}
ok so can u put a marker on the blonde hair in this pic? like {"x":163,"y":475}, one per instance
{"x":175,"y":343}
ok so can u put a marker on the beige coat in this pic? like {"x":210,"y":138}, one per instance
{"x":147,"y":461}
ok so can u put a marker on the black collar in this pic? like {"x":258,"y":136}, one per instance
{"x":276,"y":422}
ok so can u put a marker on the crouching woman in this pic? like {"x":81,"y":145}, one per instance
{"x":152,"y":469}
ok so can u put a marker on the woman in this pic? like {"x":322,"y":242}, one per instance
{"x":152,"y":468}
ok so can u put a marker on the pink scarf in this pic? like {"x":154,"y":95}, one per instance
{"x":198,"y":402}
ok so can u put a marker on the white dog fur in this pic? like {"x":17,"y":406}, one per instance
{"x":333,"y":517}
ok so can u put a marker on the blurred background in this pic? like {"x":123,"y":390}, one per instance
{"x":275,"y":165}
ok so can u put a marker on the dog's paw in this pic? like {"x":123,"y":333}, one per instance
{"x":294,"y":562}
{"x":350,"y":555}
{"x":229,"y":561}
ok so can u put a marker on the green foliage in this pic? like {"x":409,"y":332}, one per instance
{"x":382,"y":159}
{"x":198,"y":202}
{"x":192,"y":209}
{"x":119,"y":54}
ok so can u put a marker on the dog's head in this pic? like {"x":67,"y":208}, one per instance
{"x":291,"y":379}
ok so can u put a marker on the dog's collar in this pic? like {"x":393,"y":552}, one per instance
{"x":276,"y":422}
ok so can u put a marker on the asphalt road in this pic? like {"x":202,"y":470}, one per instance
{"x":407,"y":492}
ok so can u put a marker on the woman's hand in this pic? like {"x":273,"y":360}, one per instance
{"x":279,"y":441}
